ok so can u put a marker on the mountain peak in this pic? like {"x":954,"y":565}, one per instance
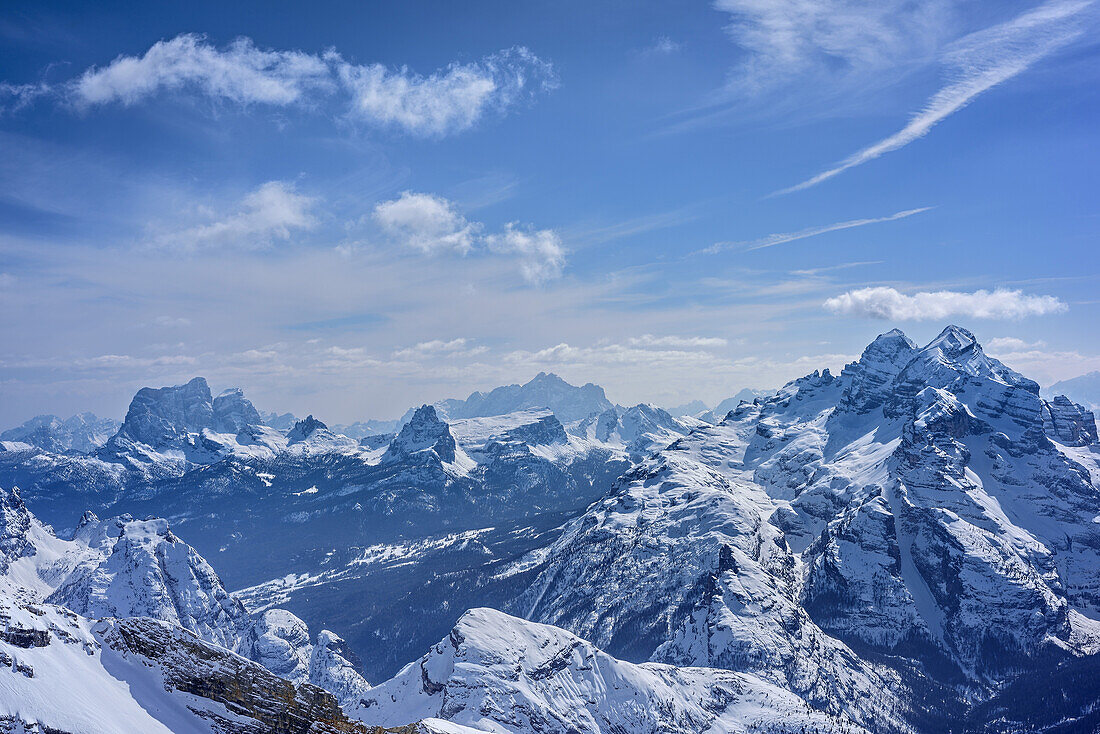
{"x":159,"y":417}
{"x":954,"y":340}
{"x":305,"y":428}
{"x":425,"y":431}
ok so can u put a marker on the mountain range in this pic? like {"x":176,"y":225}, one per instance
{"x":900,"y":547}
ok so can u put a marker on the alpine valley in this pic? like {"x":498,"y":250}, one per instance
{"x":910,"y":546}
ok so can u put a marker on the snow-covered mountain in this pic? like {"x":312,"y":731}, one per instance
{"x":501,"y":674}
{"x":83,"y":433}
{"x":894,"y":548}
{"x":546,"y":390}
{"x":264,"y":505}
{"x":123,"y":567}
{"x":920,"y":527}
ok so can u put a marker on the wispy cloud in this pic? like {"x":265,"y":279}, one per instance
{"x":433,"y":225}
{"x":648,"y":340}
{"x":271,"y":212}
{"x":783,"y":237}
{"x":662,"y":46}
{"x":799,"y":39}
{"x":977,"y":63}
{"x":890,"y":304}
{"x":447,"y":101}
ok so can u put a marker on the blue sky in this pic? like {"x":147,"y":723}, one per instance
{"x":349,"y":208}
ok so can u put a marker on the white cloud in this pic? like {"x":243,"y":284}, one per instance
{"x":271,"y":212}
{"x":888,"y":303}
{"x":432,"y":225}
{"x":427,"y":223}
{"x":240,"y":73}
{"x":648,"y":340}
{"x":977,"y":63}
{"x":784,"y":237}
{"x":540,"y":252}
{"x":1003,"y":344}
{"x":447,"y":101}
{"x":450,"y":100}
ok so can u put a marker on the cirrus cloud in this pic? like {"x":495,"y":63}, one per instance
{"x":891,"y":304}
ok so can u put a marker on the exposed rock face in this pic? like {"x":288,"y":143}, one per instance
{"x":280,"y":642}
{"x":305,"y":428}
{"x":1069,"y":423}
{"x":232,"y":412}
{"x":331,"y":668}
{"x":508,"y":675}
{"x":1084,"y":389}
{"x":246,"y":689}
{"x":161,"y":417}
{"x":15,"y":523}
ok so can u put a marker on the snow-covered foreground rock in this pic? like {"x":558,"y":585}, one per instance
{"x":65,"y":674}
{"x":501,"y":674}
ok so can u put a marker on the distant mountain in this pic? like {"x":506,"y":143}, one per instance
{"x":692,"y":408}
{"x":746,"y":395}
{"x":367,"y":428}
{"x":1084,"y":390}
{"x":546,"y":390}
{"x":83,"y":432}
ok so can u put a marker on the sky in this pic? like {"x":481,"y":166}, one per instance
{"x":350,"y":208}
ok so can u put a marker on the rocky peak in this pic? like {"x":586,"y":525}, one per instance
{"x":305,"y":428}
{"x":158,"y":417}
{"x":868,"y":380}
{"x":425,"y":431}
{"x":957,"y":350}
{"x":233,"y":412}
